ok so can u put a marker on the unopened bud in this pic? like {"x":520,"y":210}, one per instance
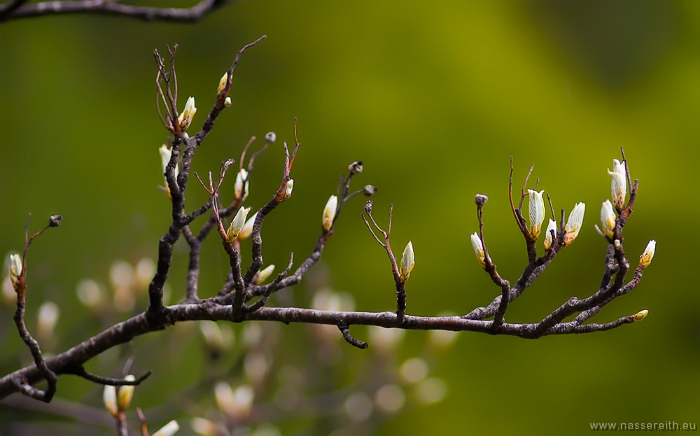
{"x":618,"y":186}
{"x":481,"y":200}
{"x":573,"y":225}
{"x":227,"y":102}
{"x":370,"y":190}
{"x":551,"y":228}
{"x":407,"y":263}
{"x":168,"y":429}
{"x":109,"y":396}
{"x":55,"y":220}
{"x":640,"y":315}
{"x":237,"y":224}
{"x":536,"y":209}
{"x":648,"y":254}
{"x":125,"y":393}
{"x":262,"y":275}
{"x":222,"y":83}
{"x":478,"y":249}
{"x":288,"y":189}
{"x":247,"y":228}
{"x":187,"y":114}
{"x":368,"y":207}
{"x":607,"y":219}
{"x":355,"y":167}
{"x":329,"y":213}
{"x":241,"y":191}
{"x":15,"y":268}
{"x":270,"y":137}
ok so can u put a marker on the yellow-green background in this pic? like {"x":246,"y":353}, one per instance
{"x":434,"y":97}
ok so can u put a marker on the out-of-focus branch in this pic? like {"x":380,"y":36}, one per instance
{"x":19,"y":9}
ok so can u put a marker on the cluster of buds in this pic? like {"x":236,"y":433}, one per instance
{"x":329,"y":213}
{"x":407,"y":263}
{"x":117,"y":400}
{"x":237,"y":224}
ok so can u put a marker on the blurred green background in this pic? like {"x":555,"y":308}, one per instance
{"x":434,"y":97}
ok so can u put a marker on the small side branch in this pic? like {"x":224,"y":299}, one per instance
{"x":345,"y":330}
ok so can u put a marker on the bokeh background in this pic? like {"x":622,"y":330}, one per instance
{"x":434,"y":97}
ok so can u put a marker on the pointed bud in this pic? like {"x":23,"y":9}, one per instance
{"x":551,"y":227}
{"x":241,"y":186}
{"x":227,"y":102}
{"x":648,"y":254}
{"x":536,"y":207}
{"x":478,"y":249}
{"x":187,"y":114}
{"x":247,"y":229}
{"x":124,"y":394}
{"x":222,"y":83}
{"x":618,"y":186}
{"x":15,"y":268}
{"x":573,"y":225}
{"x":607,"y":219}
{"x":407,"y":263}
{"x":262,"y":275}
{"x":168,"y":429}
{"x":640,"y":315}
{"x":270,"y":137}
{"x":109,"y":396}
{"x":329,"y":213}
{"x":288,"y":189}
{"x":237,"y":224}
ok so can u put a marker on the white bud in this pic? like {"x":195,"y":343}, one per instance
{"x":262,"y":275}
{"x":15,"y":268}
{"x":607,"y":219}
{"x":648,"y":254}
{"x":573,"y":225}
{"x":329,"y":213}
{"x":237,"y":224}
{"x":270,"y":137}
{"x":227,"y":102}
{"x":407,"y":263}
{"x":618,"y":186}
{"x":109,"y":396}
{"x":241,"y":191}
{"x":478,"y":249}
{"x":640,"y":315}
{"x":288,"y":189}
{"x":222,"y":83}
{"x":187,"y":114}
{"x":168,"y":429}
{"x":551,"y":226}
{"x":165,"y":155}
{"x":536,"y":207}
{"x":247,"y":229}
{"x":124,"y":394}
